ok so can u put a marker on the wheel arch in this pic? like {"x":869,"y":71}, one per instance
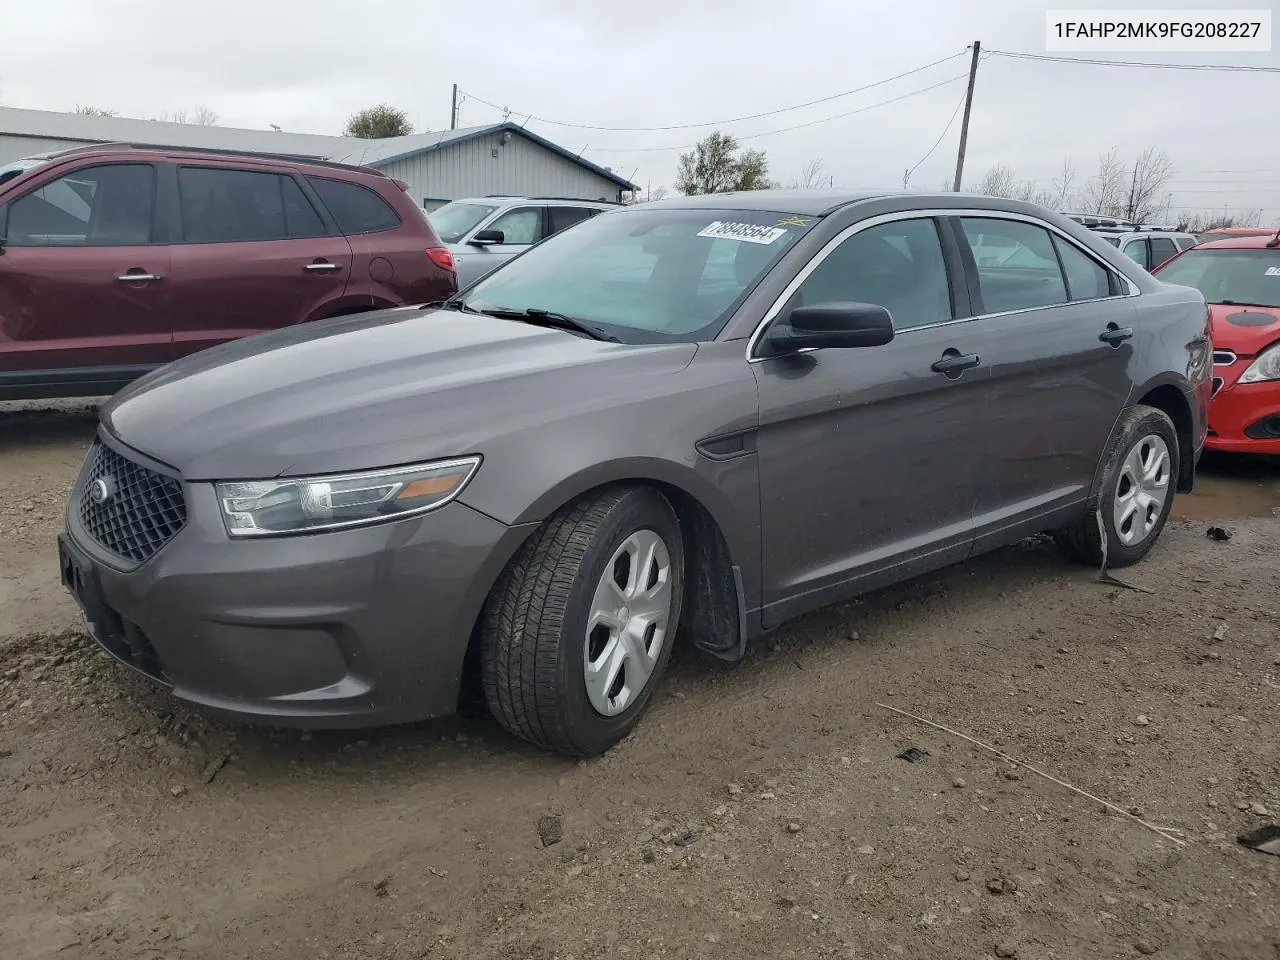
{"x":1169,"y":394}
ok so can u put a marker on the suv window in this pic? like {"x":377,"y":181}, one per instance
{"x":898,"y":265}
{"x":356,"y":208}
{"x":107,"y":205}
{"x":1086,"y":278}
{"x":220,"y":205}
{"x":522,"y":225}
{"x":561,"y":217}
{"x":1027,"y":274}
{"x":1162,"y":248}
{"x":1136,"y":250}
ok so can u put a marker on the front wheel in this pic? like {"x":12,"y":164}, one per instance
{"x":1139,"y":477}
{"x":579,"y":627}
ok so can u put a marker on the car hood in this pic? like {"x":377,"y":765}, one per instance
{"x":372,"y":390}
{"x":1244,"y":330}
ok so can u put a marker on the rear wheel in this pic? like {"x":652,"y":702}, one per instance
{"x":1139,"y":479}
{"x":579,"y":627}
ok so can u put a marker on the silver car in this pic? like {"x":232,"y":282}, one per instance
{"x":485,"y":232}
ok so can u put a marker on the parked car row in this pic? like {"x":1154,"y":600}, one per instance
{"x":688,"y":420}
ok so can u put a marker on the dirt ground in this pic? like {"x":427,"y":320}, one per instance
{"x":758,"y":811}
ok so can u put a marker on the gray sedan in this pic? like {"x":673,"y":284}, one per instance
{"x":681,"y":422}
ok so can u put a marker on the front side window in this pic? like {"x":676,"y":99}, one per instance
{"x":1238,"y":277}
{"x":646,"y":276}
{"x":521,"y":226}
{"x":1136,"y":250}
{"x":220,"y":205}
{"x":1025,"y":276}
{"x":897,"y":265}
{"x":453,"y":221}
{"x":96,"y":206}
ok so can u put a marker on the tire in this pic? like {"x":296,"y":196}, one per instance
{"x":536,"y":639}
{"x":1141,"y":432}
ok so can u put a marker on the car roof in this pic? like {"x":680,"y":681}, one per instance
{"x":498,"y":199}
{"x":1258,"y":242}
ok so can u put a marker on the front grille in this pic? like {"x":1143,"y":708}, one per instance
{"x":129,"y":509}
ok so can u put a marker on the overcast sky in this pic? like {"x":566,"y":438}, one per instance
{"x":307,"y":64}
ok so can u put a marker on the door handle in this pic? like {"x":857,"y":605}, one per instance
{"x":131,"y":277}
{"x":322,"y":267}
{"x":1115,"y":335}
{"x":954,"y":363}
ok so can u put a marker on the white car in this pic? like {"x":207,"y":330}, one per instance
{"x":1149,"y":248}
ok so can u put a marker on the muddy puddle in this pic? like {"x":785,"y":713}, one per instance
{"x":1231,"y":487}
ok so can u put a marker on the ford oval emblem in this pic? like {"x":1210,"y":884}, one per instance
{"x":101,"y":490}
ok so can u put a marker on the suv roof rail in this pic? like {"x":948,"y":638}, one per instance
{"x":221,"y":152}
{"x":508,"y":196}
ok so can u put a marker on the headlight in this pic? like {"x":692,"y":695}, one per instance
{"x":1266,"y":366}
{"x":263,"y":508}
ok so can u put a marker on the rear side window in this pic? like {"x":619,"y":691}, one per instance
{"x":1162,"y":248}
{"x":1016,"y":262}
{"x":562,"y":217}
{"x":94,"y":206}
{"x":1086,"y":278}
{"x":356,"y":208}
{"x":220,"y":205}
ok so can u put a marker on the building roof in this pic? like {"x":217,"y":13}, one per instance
{"x":381,"y":152}
{"x":78,"y":128}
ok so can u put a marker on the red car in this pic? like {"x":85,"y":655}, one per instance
{"x":1240,"y":279}
{"x":117,"y":259}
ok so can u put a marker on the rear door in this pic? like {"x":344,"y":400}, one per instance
{"x":254,"y":254}
{"x":84,"y":278}
{"x":1162,"y":248}
{"x":1057,"y":386}
{"x":561,"y":218}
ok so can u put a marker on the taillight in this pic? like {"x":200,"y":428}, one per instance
{"x":441,"y":257}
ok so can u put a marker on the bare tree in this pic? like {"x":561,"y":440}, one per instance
{"x":999,"y":181}
{"x":1147,"y":198}
{"x":1106,"y":193}
{"x":87,"y":111}
{"x":810,"y":176}
{"x":204,"y":117}
{"x":1064,"y":184}
{"x":1200,"y":222}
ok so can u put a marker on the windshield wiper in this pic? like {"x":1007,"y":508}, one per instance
{"x":546,"y":318}
{"x":453,"y":303}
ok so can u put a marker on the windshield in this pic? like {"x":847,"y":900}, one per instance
{"x":646,"y":276}
{"x":454,"y":221}
{"x":1241,"y":276}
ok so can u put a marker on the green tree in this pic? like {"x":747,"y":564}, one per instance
{"x":717,"y":166}
{"x":375,"y":123}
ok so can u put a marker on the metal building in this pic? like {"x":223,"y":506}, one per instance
{"x":499,"y":159}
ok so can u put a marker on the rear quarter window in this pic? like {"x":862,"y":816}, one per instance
{"x":356,"y":208}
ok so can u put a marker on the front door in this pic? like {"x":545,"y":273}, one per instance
{"x":254,"y":254}
{"x":1057,"y":386}
{"x":868,"y":457}
{"x":83,"y":287}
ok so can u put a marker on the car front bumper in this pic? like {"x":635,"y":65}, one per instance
{"x":353,"y":628}
{"x":1245,"y":418}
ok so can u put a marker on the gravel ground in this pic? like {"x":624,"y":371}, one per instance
{"x":760,"y":810}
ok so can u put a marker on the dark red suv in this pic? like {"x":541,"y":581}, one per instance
{"x":117,"y":259}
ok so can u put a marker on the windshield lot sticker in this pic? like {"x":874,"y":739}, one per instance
{"x":1273,"y":271}
{"x":746,"y":232}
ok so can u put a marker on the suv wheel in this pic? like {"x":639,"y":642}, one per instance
{"x":1139,"y":479}
{"x":580,"y":626}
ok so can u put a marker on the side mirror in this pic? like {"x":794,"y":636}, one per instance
{"x":486,"y":237}
{"x":830,"y":325}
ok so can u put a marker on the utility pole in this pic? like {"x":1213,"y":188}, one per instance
{"x":964,"y":124}
{"x":906,"y":175}
{"x":453,"y":111}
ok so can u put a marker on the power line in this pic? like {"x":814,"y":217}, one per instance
{"x":713,"y":123}
{"x":798,"y":126}
{"x":954,"y":113}
{"x":1214,"y":67}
